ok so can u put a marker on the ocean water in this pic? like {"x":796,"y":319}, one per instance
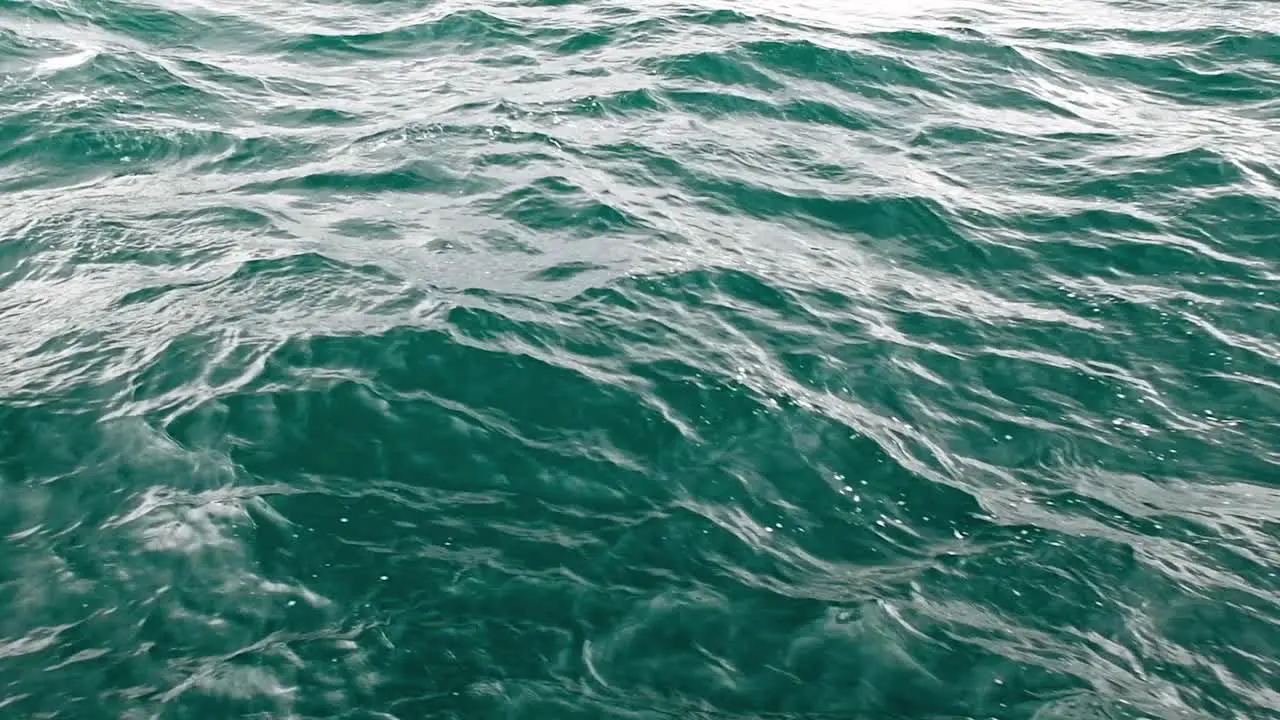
{"x":640,"y":359}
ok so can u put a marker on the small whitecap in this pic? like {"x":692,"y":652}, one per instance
{"x":65,"y":62}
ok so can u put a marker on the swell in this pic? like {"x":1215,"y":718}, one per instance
{"x":474,"y":27}
{"x":779,"y":473}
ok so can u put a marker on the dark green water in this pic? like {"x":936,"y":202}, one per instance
{"x":629,"y":359}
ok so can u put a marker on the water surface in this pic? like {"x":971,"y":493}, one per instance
{"x":631,"y":359}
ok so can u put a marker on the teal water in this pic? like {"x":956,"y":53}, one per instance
{"x":633,"y":359}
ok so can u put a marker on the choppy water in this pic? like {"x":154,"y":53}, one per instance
{"x":516,"y":359}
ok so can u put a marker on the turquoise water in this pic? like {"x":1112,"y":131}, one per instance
{"x":632,"y":359}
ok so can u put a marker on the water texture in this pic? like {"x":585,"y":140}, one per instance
{"x":629,"y":359}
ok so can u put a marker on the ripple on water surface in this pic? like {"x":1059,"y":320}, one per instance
{"x":618,"y":359}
